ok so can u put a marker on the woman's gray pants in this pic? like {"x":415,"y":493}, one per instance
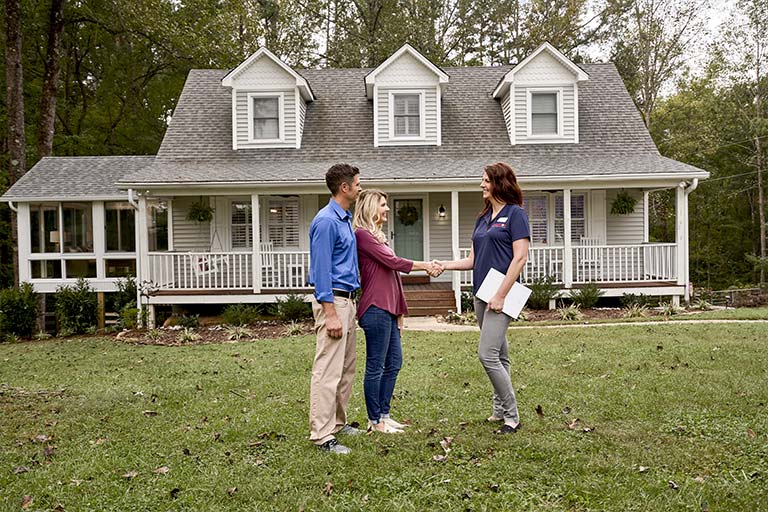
{"x":493,"y":352}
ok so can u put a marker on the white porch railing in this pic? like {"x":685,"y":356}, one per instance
{"x":598,"y":263}
{"x":624,"y":263}
{"x":201,"y":270}
{"x":284,"y":270}
{"x":227,"y":270}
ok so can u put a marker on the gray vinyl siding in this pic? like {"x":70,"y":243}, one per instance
{"x":470,"y":204}
{"x":625,"y":229}
{"x":430,"y":117}
{"x":521,"y":115}
{"x":302,"y":117}
{"x":289,"y":104}
{"x":187,"y":235}
{"x":440,"y":230}
{"x":506,"y":108}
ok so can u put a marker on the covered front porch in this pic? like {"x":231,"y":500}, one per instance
{"x":574,"y":242}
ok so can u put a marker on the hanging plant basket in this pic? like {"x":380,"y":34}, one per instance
{"x":623,"y":204}
{"x":200,"y":211}
{"x":408,"y":215}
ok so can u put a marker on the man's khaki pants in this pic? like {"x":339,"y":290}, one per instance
{"x":333,"y":372}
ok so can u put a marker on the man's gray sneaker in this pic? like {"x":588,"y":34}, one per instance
{"x":349,"y":430}
{"x":334,"y":446}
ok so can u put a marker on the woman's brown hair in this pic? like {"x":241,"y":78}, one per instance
{"x":504,"y":186}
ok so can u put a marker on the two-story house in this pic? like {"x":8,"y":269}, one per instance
{"x":252,"y":144}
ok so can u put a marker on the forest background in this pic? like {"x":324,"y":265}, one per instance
{"x":102,"y":77}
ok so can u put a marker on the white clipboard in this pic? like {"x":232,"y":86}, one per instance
{"x":515,"y":299}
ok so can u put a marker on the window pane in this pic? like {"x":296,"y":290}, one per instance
{"x":265,"y":108}
{"x":266,"y":129}
{"x":241,"y":225}
{"x":536,"y":208}
{"x":578,"y":217}
{"x":544,"y":103}
{"x":543,"y":124}
{"x":401,"y":126}
{"x":81,"y":268}
{"x":120,"y":227}
{"x":120,"y":267}
{"x":46,"y":269}
{"x":407,"y":115}
{"x":283,"y":222}
{"x":78,"y":227}
{"x":44,"y":224}
{"x":157,"y":225}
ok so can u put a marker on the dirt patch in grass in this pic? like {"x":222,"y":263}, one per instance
{"x":176,"y":336}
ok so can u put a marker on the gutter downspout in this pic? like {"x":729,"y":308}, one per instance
{"x":687,"y":191}
{"x":131,"y":200}
{"x":13,"y":207}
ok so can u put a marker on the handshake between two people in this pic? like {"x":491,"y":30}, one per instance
{"x":434,"y":268}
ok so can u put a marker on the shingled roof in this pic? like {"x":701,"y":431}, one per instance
{"x":76,"y":177}
{"x":339,"y":127}
{"x":197,"y":147}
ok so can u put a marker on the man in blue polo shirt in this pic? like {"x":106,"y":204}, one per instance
{"x":333,"y":272}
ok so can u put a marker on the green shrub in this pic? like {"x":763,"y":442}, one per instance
{"x":542,"y":291}
{"x":189,"y":321}
{"x":669,"y":309}
{"x":587,"y":296}
{"x":18,"y":311}
{"x":630,"y":299}
{"x":126,"y":294}
{"x":237,"y":332}
{"x":77,"y":308}
{"x":571,"y":312}
{"x":187,"y":335}
{"x":293,"y":308}
{"x":635,"y":311}
{"x":239,"y":314}
{"x":129,"y":316}
{"x":467,"y":301}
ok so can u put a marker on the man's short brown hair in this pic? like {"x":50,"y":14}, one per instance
{"x":338,"y":174}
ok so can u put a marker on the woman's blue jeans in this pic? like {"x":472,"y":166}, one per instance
{"x":384,"y":357}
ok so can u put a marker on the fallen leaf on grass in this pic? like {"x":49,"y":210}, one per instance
{"x":494,"y":487}
{"x":48,"y":451}
{"x":26,"y":502}
{"x":59,"y":508}
{"x":76,"y":482}
{"x":162,"y":470}
{"x":20,"y":469}
{"x":149,"y":414}
{"x":131,"y":474}
{"x":446,"y":443}
{"x":574,"y":424}
{"x":439,"y":458}
{"x":699,"y":479}
{"x":365,"y":499}
{"x":751,"y":433}
{"x":673,"y":485}
{"x":99,"y":441}
{"x":231,"y":491}
{"x":539,"y":411}
{"x":328,"y":489}
{"x":566,"y":410}
{"x":40,"y":439}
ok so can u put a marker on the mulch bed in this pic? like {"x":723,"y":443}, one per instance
{"x":170,"y":336}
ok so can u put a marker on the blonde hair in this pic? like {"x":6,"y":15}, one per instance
{"x":367,"y":213}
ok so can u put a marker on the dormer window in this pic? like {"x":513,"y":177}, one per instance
{"x":407,"y":114}
{"x":265,"y":117}
{"x":544,"y":109}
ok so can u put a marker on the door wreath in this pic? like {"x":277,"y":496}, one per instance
{"x":408,"y":215}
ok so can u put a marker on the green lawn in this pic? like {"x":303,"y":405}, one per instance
{"x":677,"y":417}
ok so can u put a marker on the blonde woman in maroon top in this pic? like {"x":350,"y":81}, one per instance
{"x":382,"y":306}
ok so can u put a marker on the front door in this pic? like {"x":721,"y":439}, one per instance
{"x":407,"y":217}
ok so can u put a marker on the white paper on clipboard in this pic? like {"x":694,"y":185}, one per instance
{"x":515,"y":299}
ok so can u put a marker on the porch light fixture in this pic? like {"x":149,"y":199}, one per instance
{"x":441,"y":212}
{"x":273,"y":210}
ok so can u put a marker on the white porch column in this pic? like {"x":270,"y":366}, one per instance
{"x":456,"y":276}
{"x":681,"y":236}
{"x":24,"y":241}
{"x":142,"y":270}
{"x":567,"y":250}
{"x":256,"y":245}
{"x":99,"y":238}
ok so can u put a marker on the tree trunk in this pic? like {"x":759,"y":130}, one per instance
{"x":50,"y":80}
{"x":15,"y":104}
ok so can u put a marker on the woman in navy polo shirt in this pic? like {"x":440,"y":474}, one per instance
{"x":500,"y":240}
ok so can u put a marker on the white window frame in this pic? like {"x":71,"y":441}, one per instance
{"x":250,"y":225}
{"x":266,"y":224}
{"x":280,"y":112}
{"x":422,"y":115}
{"x":555,"y":218}
{"x":559,"y":102}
